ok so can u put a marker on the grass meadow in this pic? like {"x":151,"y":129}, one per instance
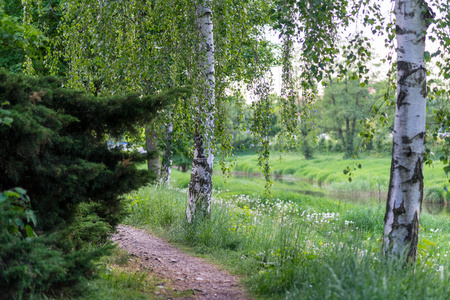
{"x":327,"y":169}
{"x":296,"y":246}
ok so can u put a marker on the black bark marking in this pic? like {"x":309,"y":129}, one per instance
{"x":407,"y":141}
{"x":399,"y":210}
{"x":417,"y":174}
{"x":424,"y":91}
{"x":401,"y":31}
{"x":421,"y":40}
{"x":408,"y":70}
{"x":404,"y":66}
{"x":401,"y":97}
{"x":391,"y":186}
{"x":409,"y":15}
{"x":413,"y":238}
{"x":401,"y":167}
{"x":409,"y":152}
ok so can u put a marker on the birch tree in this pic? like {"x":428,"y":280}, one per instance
{"x":200,"y":187}
{"x":320,"y":51}
{"x":404,"y":203}
{"x":227,"y":54}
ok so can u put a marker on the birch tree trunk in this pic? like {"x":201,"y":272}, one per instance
{"x":404,"y":203}
{"x":200,"y":187}
{"x":151,"y":145}
{"x":166,"y":165}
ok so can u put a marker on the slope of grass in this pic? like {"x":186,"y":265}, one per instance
{"x":328,"y":168}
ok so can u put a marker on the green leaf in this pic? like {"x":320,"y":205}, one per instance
{"x":31,"y":216}
{"x":30,"y":231}
{"x":19,"y":223}
{"x":20,"y":190}
{"x":11,"y":194}
{"x":427,"y":56}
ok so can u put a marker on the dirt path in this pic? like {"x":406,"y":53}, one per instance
{"x":184,"y":271}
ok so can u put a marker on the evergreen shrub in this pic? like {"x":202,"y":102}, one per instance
{"x":55,"y":148}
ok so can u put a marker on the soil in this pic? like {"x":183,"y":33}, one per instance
{"x":183,"y":271}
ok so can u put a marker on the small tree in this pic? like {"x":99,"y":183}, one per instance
{"x":343,"y":106}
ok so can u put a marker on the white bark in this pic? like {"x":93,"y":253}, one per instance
{"x":405,"y":195}
{"x":200,"y":187}
{"x":151,"y":145}
{"x":166,"y":165}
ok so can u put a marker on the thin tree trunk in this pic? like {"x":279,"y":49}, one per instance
{"x":341,"y":136}
{"x":166,"y":165}
{"x":306,"y":149}
{"x":348,"y":138}
{"x":151,"y":145}
{"x":200,"y":187}
{"x":404,"y":203}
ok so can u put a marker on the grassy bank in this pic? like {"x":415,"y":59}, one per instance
{"x":295,"y":246}
{"x":328,"y":169}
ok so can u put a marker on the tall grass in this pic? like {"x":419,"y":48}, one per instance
{"x":299,"y":247}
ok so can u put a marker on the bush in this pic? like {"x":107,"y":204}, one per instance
{"x":32,"y":264}
{"x":56,"y":149}
{"x":435,"y":195}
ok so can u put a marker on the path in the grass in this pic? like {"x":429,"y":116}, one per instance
{"x":185,"y":272}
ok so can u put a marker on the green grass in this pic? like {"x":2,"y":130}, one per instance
{"x":122,"y":276}
{"x":328,"y":169}
{"x":297,"y":246}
